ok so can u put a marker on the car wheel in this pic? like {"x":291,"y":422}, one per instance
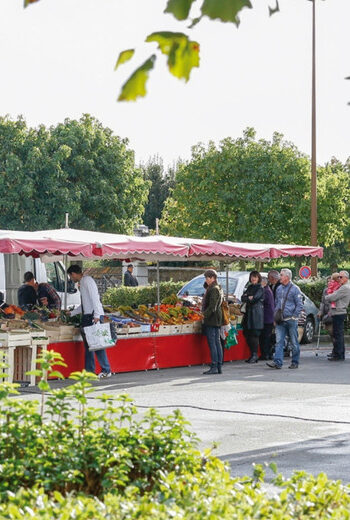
{"x":309,"y":330}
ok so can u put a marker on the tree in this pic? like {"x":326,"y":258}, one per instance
{"x":254,"y":191}
{"x":161,"y":183}
{"x":78,"y":167}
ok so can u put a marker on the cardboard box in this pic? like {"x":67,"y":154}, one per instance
{"x":187,"y":328}
{"x":165,"y":329}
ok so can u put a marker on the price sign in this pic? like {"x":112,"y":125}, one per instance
{"x":305,"y":271}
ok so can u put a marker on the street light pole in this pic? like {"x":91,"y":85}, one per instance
{"x":313,"y":145}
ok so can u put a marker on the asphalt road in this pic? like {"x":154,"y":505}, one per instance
{"x":298,"y":419}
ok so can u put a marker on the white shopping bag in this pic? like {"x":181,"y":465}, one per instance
{"x":98,"y":336}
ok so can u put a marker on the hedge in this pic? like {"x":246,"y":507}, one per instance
{"x":134,"y":296}
{"x":313,"y":289}
{"x":61,"y":458}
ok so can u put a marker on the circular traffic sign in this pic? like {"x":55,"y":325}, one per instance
{"x":305,"y":271}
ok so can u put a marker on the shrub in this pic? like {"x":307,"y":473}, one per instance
{"x":63,"y":459}
{"x":210,"y":494}
{"x":313,"y":289}
{"x":134,"y":296}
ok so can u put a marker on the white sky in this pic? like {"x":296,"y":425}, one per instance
{"x":57,"y":59}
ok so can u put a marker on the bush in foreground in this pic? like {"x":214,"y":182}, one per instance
{"x":61,"y":458}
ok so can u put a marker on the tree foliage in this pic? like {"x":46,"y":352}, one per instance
{"x":78,"y":167}
{"x":161,"y":183}
{"x":255,"y":191}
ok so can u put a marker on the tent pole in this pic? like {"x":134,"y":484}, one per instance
{"x":158,"y":288}
{"x":65,"y":260}
{"x":227,"y":282}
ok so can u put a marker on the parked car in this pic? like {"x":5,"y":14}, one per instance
{"x":237,"y":281}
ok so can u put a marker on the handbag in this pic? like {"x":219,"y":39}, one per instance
{"x":99,"y":336}
{"x":225,"y":313}
{"x":278,"y":315}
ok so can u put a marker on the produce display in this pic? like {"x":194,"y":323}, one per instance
{"x":172,"y":316}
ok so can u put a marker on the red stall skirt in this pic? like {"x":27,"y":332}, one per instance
{"x":131,"y":354}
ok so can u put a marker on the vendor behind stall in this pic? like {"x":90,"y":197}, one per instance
{"x":27,"y":296}
{"x":48,"y":297}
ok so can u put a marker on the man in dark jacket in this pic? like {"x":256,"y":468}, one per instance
{"x":27,"y":296}
{"x":274,"y":281}
{"x":213,"y":299}
{"x":129,"y":279}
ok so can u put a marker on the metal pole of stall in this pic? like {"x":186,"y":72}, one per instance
{"x":65,"y":261}
{"x":158,"y":281}
{"x":227,"y":284}
{"x":158,"y":288}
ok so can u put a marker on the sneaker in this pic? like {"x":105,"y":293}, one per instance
{"x":294,"y":365}
{"x":103,"y":375}
{"x":272,"y":364}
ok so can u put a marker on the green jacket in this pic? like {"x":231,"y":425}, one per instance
{"x":212,"y":306}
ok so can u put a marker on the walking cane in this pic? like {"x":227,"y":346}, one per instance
{"x":318,"y":339}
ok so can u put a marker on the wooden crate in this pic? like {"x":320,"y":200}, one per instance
{"x":20,"y":359}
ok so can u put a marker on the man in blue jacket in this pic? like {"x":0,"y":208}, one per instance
{"x":290,"y":301}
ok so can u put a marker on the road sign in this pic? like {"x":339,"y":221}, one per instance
{"x":305,"y":271}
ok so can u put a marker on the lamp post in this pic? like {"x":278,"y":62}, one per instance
{"x":313,"y":145}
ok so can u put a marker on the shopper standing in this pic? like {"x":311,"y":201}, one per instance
{"x":92,"y":312}
{"x":269,"y":309}
{"x":289,"y":301}
{"x":253,"y":319}
{"x":213,"y":320}
{"x":341,"y":297}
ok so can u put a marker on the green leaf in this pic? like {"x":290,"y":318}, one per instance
{"x":183,"y":54}
{"x":179,"y":8}
{"x":135,"y":86}
{"x":123,"y":57}
{"x":273,"y":467}
{"x":44,"y":386}
{"x":224,"y":10}
{"x":56,"y":373}
{"x":34,"y":373}
{"x":28,"y":2}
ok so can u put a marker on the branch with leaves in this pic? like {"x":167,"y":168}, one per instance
{"x":182,"y":52}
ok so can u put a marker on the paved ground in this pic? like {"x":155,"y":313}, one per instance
{"x":297,"y":418}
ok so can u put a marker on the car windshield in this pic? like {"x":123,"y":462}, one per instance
{"x":232,"y":284}
{"x":195,"y":287}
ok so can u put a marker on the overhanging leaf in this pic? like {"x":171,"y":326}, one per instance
{"x":28,"y":2}
{"x":135,"y":86}
{"x":179,"y":8}
{"x":124,"y":56}
{"x":183,"y":54}
{"x":224,"y":10}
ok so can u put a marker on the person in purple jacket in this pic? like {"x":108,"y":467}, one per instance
{"x":269,"y":309}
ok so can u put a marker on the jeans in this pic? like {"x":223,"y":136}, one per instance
{"x":338,"y":334}
{"x":87,"y":319}
{"x":213,"y":337}
{"x":287,"y":328}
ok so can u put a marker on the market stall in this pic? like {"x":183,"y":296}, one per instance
{"x":145,"y":341}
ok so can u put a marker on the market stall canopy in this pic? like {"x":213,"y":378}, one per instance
{"x":30,"y":244}
{"x":80,"y":244}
